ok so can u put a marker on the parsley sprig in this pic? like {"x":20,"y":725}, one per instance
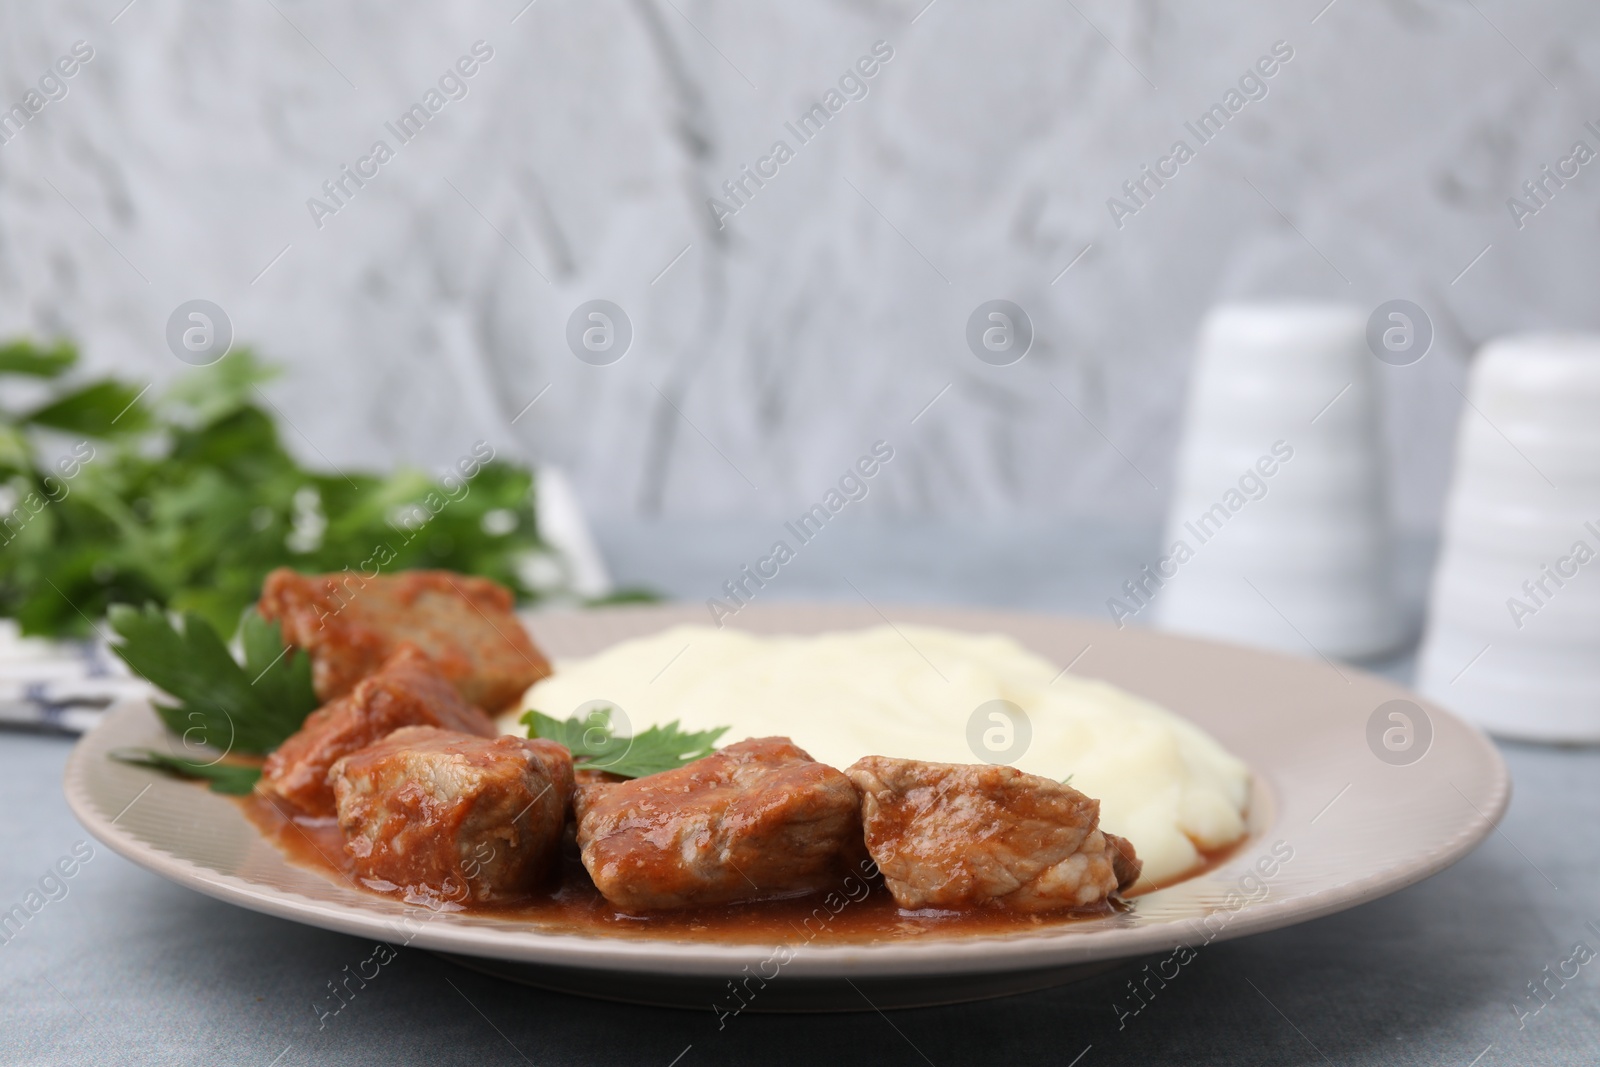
{"x":188,"y":496}
{"x":596,"y":746}
{"x":233,"y":779}
{"x":248,"y":708}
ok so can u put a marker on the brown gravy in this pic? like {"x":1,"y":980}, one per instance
{"x":862,"y":911}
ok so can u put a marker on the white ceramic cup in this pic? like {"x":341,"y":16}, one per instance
{"x":1278,"y":533}
{"x":1513,"y":633}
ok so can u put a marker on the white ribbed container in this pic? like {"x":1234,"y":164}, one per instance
{"x":1523,"y":660}
{"x":1304,"y":568}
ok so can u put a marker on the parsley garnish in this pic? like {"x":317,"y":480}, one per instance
{"x":595,"y":747}
{"x":230,"y":778}
{"x":250,"y":708}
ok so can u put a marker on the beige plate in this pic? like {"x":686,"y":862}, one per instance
{"x":1359,"y":827}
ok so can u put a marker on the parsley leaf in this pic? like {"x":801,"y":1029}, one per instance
{"x":234,"y":708}
{"x":595,"y":747}
{"x":589,"y":737}
{"x":99,"y":409}
{"x":279,"y":674}
{"x":26,"y":357}
{"x":230,"y":778}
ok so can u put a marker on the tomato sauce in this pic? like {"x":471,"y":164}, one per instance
{"x":860,"y":911}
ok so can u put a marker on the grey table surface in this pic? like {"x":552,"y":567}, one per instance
{"x":126,"y":968}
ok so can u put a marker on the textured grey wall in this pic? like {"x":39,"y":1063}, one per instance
{"x":827,"y":312}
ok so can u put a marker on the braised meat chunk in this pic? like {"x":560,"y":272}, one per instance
{"x":758,"y":819}
{"x":408,"y":690}
{"x":350,"y":624}
{"x":955,"y":836}
{"x":454,"y":816}
{"x":1125,"y":862}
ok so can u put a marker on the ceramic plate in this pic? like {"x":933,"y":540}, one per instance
{"x":1366,"y":802}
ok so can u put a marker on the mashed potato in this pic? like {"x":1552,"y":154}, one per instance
{"x":1162,"y":782}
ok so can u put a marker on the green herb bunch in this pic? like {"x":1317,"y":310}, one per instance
{"x":186,"y":499}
